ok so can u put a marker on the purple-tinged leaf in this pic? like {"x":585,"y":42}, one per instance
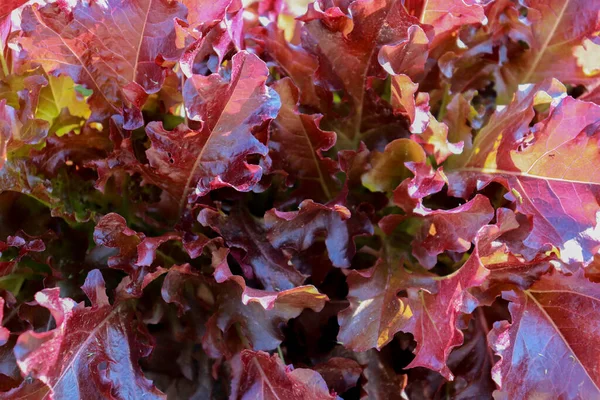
{"x":262,"y":377}
{"x":261,"y":261}
{"x":93,"y":351}
{"x":299,"y":229}
{"x":110,"y":47}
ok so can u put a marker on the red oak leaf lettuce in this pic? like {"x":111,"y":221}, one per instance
{"x":93,"y":350}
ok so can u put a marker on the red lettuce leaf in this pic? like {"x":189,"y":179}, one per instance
{"x":298,"y":230}
{"x":472,"y":373}
{"x":550,"y":321}
{"x":260,"y":376}
{"x":254,"y":314}
{"x":93,"y":350}
{"x":136,"y":253}
{"x":9,"y":5}
{"x":382,"y":382}
{"x":542,"y":166}
{"x":377,"y":312}
{"x":341,"y":374}
{"x":261,"y":261}
{"x":229,"y":113}
{"x":109,"y":47}
{"x":297,"y":143}
{"x":446,"y":16}
{"x":559,"y":30}
{"x":359,"y":29}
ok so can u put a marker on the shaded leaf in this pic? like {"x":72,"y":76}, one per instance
{"x":430,"y":311}
{"x":271,"y":266}
{"x":297,"y":143}
{"x":382,"y":382}
{"x":299,"y":229}
{"x":340,"y":373}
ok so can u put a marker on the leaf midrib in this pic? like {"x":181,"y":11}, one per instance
{"x":561,"y":336}
{"x":84,"y":344}
{"x":139,"y":47}
{"x":313,"y":153}
{"x":549,"y":37}
{"x":186,"y":189}
{"x":38,"y":17}
{"x":495,"y":171}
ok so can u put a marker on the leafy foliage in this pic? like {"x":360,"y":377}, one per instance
{"x":369,"y":199}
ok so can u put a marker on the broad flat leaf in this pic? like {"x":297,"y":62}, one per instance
{"x":106,"y":46}
{"x":296,"y":143}
{"x":558,"y":30}
{"x":544,"y":168}
{"x":260,"y":260}
{"x":93,"y":352}
{"x":263,"y":377}
{"x":388,"y":168}
{"x":359,"y":31}
{"x":547,"y":349}
{"x":229,"y":112}
{"x":298,"y":230}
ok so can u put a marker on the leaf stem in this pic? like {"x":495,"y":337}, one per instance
{"x":5,"y":70}
{"x":445,"y":100}
{"x":280,"y":352}
{"x":243,"y":339}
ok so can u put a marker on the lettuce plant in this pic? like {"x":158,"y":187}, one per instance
{"x":361,"y":199}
